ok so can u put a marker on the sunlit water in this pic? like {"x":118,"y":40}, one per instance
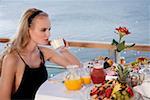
{"x":90,"y":20}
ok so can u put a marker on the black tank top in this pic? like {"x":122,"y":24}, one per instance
{"x":31,"y":81}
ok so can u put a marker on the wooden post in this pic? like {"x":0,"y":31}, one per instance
{"x":4,"y":40}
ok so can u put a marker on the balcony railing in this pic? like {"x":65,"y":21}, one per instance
{"x":90,"y":44}
{"x":96,"y":44}
{"x":106,"y":45}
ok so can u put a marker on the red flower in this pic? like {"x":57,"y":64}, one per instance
{"x":120,"y":44}
{"x":122,"y":31}
{"x":140,"y":59}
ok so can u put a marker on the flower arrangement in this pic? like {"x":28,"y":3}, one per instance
{"x":120,"y":44}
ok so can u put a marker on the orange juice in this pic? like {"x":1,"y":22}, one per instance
{"x":75,"y":84}
{"x":86,"y":79}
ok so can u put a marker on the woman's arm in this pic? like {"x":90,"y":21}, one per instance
{"x":7,"y":76}
{"x":60,"y":59}
{"x":69,"y":56}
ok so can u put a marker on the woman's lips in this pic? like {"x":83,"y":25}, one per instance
{"x":46,"y":39}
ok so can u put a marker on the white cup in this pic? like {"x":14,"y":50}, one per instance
{"x":57,"y":43}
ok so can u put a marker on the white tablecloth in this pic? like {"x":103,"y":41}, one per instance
{"x":54,"y":89}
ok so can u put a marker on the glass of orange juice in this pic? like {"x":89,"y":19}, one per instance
{"x":72,"y":79}
{"x":85,"y":75}
{"x":86,"y":79}
{"x":73,"y":84}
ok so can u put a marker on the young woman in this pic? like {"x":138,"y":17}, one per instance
{"x":22,"y":68}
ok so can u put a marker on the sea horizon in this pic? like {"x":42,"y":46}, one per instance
{"x":90,"y":20}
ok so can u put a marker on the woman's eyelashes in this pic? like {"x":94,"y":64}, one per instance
{"x":45,"y":29}
{"x":49,"y":29}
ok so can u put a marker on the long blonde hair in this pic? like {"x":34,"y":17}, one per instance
{"x":22,"y":37}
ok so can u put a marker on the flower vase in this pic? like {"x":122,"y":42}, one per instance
{"x":117,"y":57}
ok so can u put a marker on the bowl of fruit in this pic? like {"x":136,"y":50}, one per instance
{"x":112,"y":90}
{"x":115,"y":89}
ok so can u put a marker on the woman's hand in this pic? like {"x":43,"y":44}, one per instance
{"x":65,"y":47}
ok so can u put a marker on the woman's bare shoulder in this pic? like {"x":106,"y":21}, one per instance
{"x":10,"y":60}
{"x":8,"y":73}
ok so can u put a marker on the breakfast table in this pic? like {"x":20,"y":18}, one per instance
{"x":54,"y":89}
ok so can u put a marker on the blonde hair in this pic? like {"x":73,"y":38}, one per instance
{"x":22,"y":37}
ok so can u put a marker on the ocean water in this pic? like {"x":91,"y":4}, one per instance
{"x":90,"y":20}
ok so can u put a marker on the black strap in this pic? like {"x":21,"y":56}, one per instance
{"x":21,"y":57}
{"x":41,"y":55}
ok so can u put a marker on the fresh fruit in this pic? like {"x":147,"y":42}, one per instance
{"x":111,"y":90}
{"x":94,"y":97}
{"x":116,"y":88}
{"x":94,"y":91}
{"x":124,"y":92}
{"x":126,"y":97}
{"x":130,"y":91}
{"x":118,"y":95}
{"x":123,"y":73}
{"x":108,"y":92}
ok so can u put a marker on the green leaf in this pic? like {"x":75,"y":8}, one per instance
{"x":126,"y":72}
{"x":121,"y":46}
{"x":129,"y":46}
{"x":134,"y":63}
{"x":114,"y":42}
{"x":119,"y":69}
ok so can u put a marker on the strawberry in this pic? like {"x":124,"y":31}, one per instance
{"x":94,"y":91}
{"x":130,"y":91}
{"x":100,"y":92}
{"x":108,"y":92}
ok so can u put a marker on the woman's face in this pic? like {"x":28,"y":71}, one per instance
{"x":40,"y":30}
